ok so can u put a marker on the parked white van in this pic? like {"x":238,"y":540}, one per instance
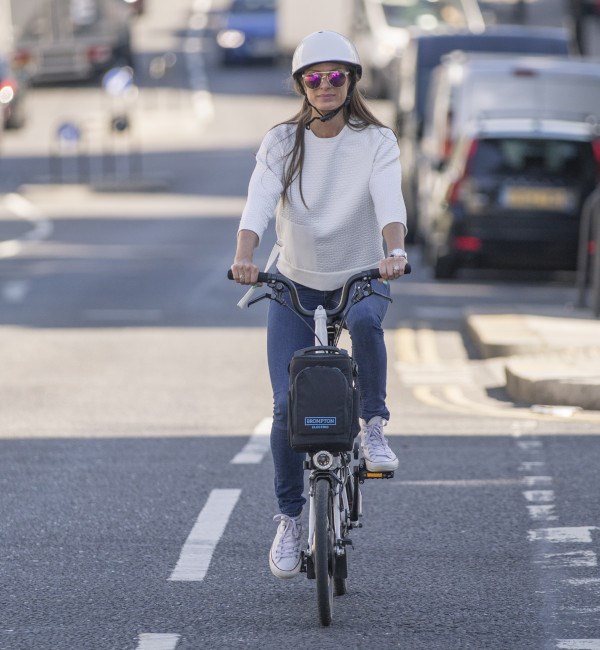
{"x":469,"y":87}
{"x":424,"y":52}
{"x":74,"y":39}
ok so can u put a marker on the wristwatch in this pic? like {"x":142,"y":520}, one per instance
{"x":398,"y":252}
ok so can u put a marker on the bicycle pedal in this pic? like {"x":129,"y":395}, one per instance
{"x":366,"y":474}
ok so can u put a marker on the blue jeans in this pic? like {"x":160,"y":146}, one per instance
{"x":286,"y":333}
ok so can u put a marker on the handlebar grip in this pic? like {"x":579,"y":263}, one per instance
{"x":262,"y":276}
{"x":374,"y":273}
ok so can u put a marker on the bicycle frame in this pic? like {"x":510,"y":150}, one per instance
{"x":338,"y":474}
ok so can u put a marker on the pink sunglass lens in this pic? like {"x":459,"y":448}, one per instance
{"x":336,"y":79}
{"x":312,"y":81}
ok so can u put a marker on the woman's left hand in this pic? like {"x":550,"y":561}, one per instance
{"x":392,"y":268}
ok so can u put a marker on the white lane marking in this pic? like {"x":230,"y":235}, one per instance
{"x":542,"y":513}
{"x":459,"y":483}
{"x":578,"y":644}
{"x":255,"y":449}
{"x":539,"y":496}
{"x":574,"y":534}
{"x":528,"y":445}
{"x":574,"y":609}
{"x":529,"y":466}
{"x":147,"y":641}
{"x":200,"y":545}
{"x":578,"y":582}
{"x":533,"y":481}
{"x":568,"y":560}
{"x":21,"y":207}
{"x":14,"y":291}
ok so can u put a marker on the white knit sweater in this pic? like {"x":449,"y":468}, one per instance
{"x":351,"y":186}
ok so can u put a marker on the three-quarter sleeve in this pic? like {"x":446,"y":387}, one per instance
{"x":385,"y":184}
{"x":265,"y":186}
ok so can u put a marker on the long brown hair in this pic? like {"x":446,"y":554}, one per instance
{"x":357,"y":116}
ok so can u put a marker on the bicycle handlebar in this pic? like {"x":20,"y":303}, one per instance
{"x":272,"y":278}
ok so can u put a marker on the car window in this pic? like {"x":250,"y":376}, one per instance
{"x":532,"y":157}
{"x":63,"y":18}
{"x":426,"y":14}
{"x":252,"y":6}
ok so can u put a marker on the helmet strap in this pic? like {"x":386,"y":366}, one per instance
{"x":331,"y":114}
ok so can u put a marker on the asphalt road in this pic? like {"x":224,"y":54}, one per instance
{"x":135,"y":402}
{"x":446,"y":558}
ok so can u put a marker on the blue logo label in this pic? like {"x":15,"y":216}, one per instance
{"x":320,"y":422}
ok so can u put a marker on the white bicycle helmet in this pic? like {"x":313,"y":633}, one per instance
{"x":320,"y":47}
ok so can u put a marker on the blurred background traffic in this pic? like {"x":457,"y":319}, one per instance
{"x":495,"y":104}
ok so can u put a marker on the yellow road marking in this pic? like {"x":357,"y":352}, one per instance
{"x":420,"y":348}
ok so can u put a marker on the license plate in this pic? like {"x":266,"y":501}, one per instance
{"x":541,"y":198}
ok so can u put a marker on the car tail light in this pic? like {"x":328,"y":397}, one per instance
{"x":467,"y":244}
{"x":21,"y":58}
{"x":596,"y":150}
{"x":455,"y":190}
{"x":99,"y":54}
{"x":7,"y":90}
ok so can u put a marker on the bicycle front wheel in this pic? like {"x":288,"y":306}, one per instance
{"x":324,"y":549}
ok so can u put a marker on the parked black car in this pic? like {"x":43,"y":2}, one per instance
{"x":424,"y":52}
{"x":512,"y":196}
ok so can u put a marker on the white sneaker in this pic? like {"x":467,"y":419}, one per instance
{"x":285,"y":556}
{"x":378,"y":456}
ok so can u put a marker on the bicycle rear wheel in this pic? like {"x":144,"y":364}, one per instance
{"x":324,"y":549}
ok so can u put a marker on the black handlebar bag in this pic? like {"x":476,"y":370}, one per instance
{"x":323,"y":400}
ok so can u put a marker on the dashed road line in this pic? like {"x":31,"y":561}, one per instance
{"x":148,"y":641}
{"x":557,"y":565}
{"x":563,"y":534}
{"x":20,"y":207}
{"x":257,"y":447}
{"x":202,"y":541}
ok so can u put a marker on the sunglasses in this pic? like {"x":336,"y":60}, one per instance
{"x":336,"y":78}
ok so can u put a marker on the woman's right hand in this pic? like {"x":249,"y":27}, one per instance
{"x":244,"y":271}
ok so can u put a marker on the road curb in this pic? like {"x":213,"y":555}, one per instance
{"x":548,"y":359}
{"x":560,"y":380}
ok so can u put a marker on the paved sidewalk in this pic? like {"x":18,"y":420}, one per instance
{"x":549,"y":360}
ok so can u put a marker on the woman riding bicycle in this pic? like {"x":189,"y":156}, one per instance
{"x":331,"y":175}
